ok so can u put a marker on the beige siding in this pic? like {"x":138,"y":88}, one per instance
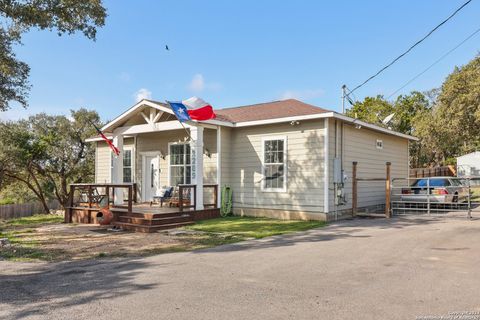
{"x":102,"y":163}
{"x":226,"y":155}
{"x":305,"y":154}
{"x":241,"y":163}
{"x":103,"y":160}
{"x":210,"y":163}
{"x":159,"y":141}
{"x":360,"y":145}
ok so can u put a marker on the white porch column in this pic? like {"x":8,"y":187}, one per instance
{"x":219,"y":166}
{"x":196,"y":134}
{"x":117,"y":170}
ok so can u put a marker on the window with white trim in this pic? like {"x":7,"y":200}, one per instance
{"x":274,"y":164}
{"x":127,"y":166}
{"x":180,"y":164}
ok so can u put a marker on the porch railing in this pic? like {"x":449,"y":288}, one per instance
{"x":185,"y":201}
{"x":215,"y":195}
{"x":90,"y":198}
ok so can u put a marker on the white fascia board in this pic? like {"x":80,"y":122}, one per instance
{"x":325,"y":115}
{"x":134,"y":108}
{"x":146,"y":128}
{"x":280,"y":120}
{"x":215,"y":123}
{"x":372,"y":126}
{"x":96,"y":139}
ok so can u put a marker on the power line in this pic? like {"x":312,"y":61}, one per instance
{"x":436,"y":61}
{"x":413,"y":46}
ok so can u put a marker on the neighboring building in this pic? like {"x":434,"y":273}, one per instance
{"x":283,"y":159}
{"x":469,"y":165}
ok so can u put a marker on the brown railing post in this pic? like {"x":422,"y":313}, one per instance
{"x":215,"y":195}
{"x":180,"y":198}
{"x":107,"y":191}
{"x":388,"y":188}
{"x":135,"y":192}
{"x":113,"y":195}
{"x":354,"y":189}
{"x":130,"y":195}
{"x":194,"y":197}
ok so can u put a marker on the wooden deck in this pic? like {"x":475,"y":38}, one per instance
{"x":139,"y":217}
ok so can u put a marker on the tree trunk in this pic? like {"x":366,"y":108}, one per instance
{"x":45,"y":205}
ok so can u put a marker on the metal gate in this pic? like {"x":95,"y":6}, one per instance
{"x":435,"y":195}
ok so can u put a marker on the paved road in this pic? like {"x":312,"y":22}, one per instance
{"x":361,"y":269}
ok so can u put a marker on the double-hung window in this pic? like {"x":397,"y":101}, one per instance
{"x":127,"y":166}
{"x":180,"y":164}
{"x":274,"y":164}
{"x":127,"y":159}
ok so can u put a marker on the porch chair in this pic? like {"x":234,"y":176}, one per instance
{"x":164,"y":196}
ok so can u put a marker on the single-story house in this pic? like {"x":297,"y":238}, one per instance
{"x":468,"y":165}
{"x":285,"y":159}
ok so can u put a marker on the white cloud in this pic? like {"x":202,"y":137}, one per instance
{"x":124,"y":76}
{"x":142,"y":93}
{"x":198,"y":84}
{"x":302,"y":94}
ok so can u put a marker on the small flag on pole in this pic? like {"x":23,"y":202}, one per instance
{"x":192,"y":109}
{"x":110,"y":143}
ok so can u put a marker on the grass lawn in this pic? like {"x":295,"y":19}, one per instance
{"x":24,"y":247}
{"x":45,"y":238}
{"x":248,"y":227}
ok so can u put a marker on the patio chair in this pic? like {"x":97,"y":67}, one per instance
{"x":175,"y":199}
{"x":165,"y":196}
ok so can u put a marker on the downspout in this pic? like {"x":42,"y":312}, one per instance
{"x":326,"y":170}
{"x":335,"y":185}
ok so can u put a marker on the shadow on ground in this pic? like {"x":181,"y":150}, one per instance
{"x":353,"y":228}
{"x":62,"y":285}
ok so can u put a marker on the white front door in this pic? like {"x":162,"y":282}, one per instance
{"x":151,"y":183}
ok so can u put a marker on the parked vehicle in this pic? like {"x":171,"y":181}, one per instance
{"x":437,"y":190}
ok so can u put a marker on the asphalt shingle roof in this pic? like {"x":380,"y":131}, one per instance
{"x":268,"y":110}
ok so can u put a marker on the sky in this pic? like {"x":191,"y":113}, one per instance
{"x":233,"y":53}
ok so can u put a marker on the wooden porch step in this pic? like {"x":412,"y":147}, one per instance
{"x":148,"y":228}
{"x":150,"y":215}
{"x":155,"y":221}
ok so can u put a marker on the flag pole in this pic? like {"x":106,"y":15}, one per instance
{"x":187,"y":131}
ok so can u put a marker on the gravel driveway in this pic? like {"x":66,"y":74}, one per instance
{"x":359,"y":269}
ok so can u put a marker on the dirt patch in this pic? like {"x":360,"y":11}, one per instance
{"x":56,"y":242}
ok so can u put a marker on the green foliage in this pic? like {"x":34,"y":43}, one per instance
{"x":18,"y":17}
{"x":371,"y":109}
{"x":446,"y":120}
{"x":405,"y":108}
{"x":46,"y":153}
{"x":408,"y":110}
{"x":452,"y":127}
{"x":4,"y":201}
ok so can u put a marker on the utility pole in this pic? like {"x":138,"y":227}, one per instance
{"x":344,"y":94}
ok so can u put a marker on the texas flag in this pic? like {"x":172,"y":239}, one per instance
{"x":192,"y":109}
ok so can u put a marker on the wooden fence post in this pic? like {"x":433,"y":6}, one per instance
{"x":354,"y":189}
{"x":388,"y":188}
